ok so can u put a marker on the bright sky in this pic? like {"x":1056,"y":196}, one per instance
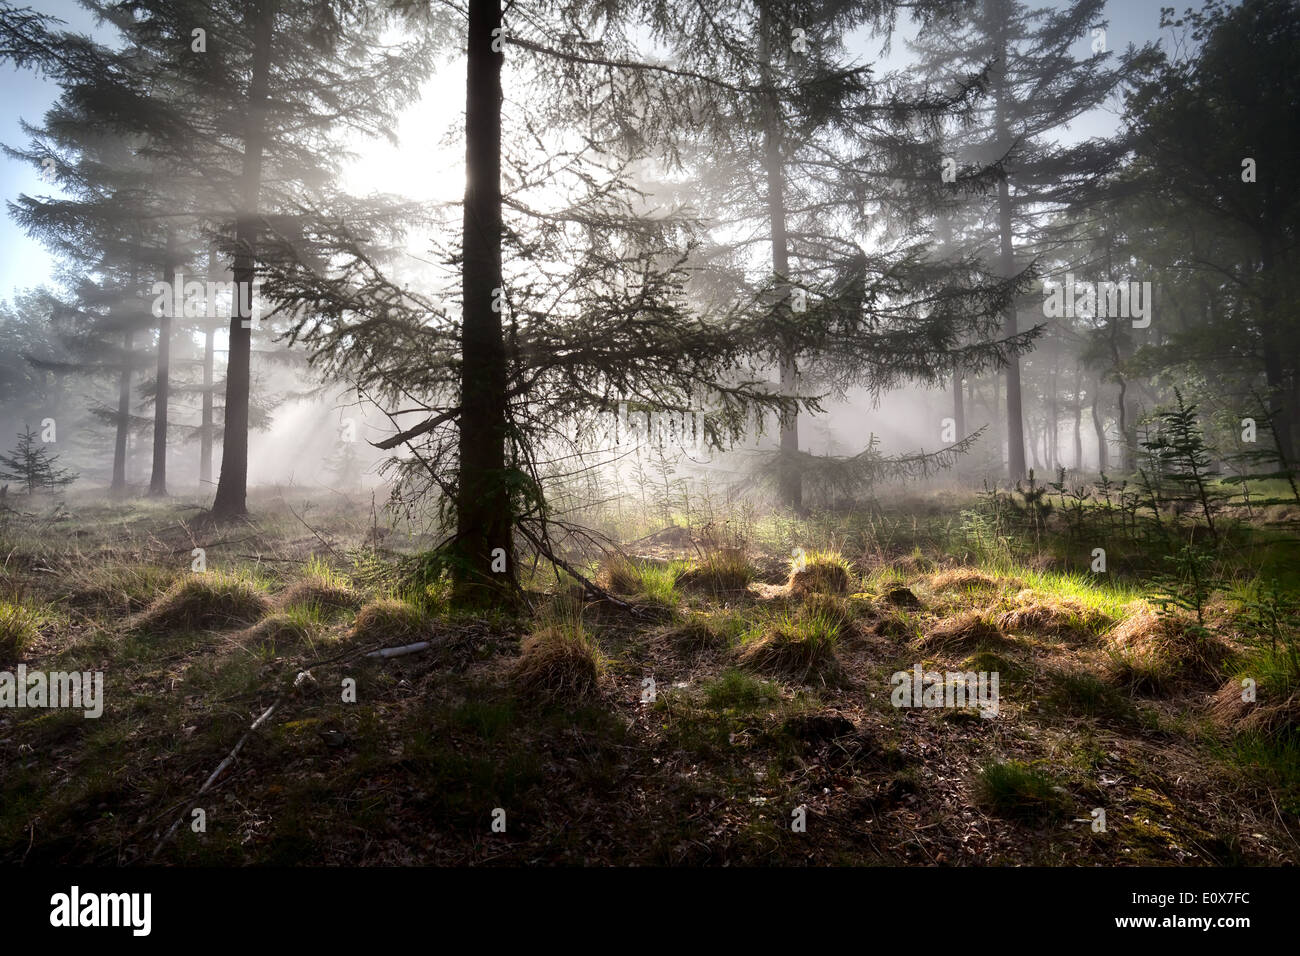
{"x":422,"y":167}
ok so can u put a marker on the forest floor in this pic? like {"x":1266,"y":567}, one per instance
{"x":733,"y":707}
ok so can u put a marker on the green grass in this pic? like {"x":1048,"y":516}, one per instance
{"x":734,"y":689}
{"x":1087,"y":695}
{"x":658,"y":584}
{"x":18,"y":629}
{"x":799,"y":646}
{"x":821,"y":572}
{"x":211,"y":599}
{"x":1016,"y":789}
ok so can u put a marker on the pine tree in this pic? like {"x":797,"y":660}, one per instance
{"x":1182,"y":458}
{"x":1036,"y":88}
{"x":1216,"y":147}
{"x":799,"y":147}
{"x":30,"y":464}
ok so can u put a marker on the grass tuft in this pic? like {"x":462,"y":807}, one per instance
{"x":18,"y":628}
{"x":798,"y":647}
{"x":559,"y":664}
{"x":720,"y":571}
{"x":1153,"y":653}
{"x":736,"y":690}
{"x":1013,"y":788}
{"x":392,"y":623}
{"x":819,"y":572}
{"x":213,"y":599}
{"x":964,"y":632}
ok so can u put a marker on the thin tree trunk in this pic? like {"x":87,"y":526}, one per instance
{"x":1015,"y":414}
{"x":484,"y":516}
{"x":1001,"y":430}
{"x":958,"y":408}
{"x":232,"y":487}
{"x":123,"y":415}
{"x":162,"y":391}
{"x":206,"y":428}
{"x":1099,"y":426}
{"x":1078,"y":417}
{"x":791,"y":481}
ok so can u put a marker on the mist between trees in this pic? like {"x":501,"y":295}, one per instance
{"x":811,"y":275}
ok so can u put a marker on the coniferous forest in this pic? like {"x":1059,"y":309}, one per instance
{"x":744,"y":433}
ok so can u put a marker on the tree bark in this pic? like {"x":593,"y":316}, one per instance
{"x":162,"y":390}
{"x":1015,"y":413}
{"x":958,"y":408}
{"x":206,"y":429}
{"x":123,"y":415}
{"x":206,"y":426}
{"x":484,"y":513}
{"x":232,"y":487}
{"x":1099,"y":426}
{"x":1078,"y":417}
{"x":791,"y":481}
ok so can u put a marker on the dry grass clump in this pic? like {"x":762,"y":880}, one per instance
{"x":800,"y":648}
{"x":720,"y":570}
{"x":1151,"y":653}
{"x":126,"y":588}
{"x":322,"y":594}
{"x":819,"y":572}
{"x":964,"y":632}
{"x":619,"y":575}
{"x":839,"y":611}
{"x":211,"y":599}
{"x":392,"y":623}
{"x":963,"y":579}
{"x":17,"y":630}
{"x":1063,"y":617}
{"x":697,"y":635}
{"x":559,"y":664}
{"x":1268,"y":718}
{"x":900,"y":596}
{"x":912,"y":564}
{"x":280,"y":629}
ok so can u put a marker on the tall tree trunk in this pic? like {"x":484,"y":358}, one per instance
{"x":958,"y":408}
{"x":206,"y":426}
{"x":1099,"y":426}
{"x":162,"y":391}
{"x":1078,"y":417}
{"x":1127,"y":432}
{"x":232,"y":487}
{"x":1052,"y":453}
{"x":484,"y":517}
{"x":123,"y":415}
{"x":791,"y":480}
{"x":1015,"y":413}
{"x":1000,"y":431}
